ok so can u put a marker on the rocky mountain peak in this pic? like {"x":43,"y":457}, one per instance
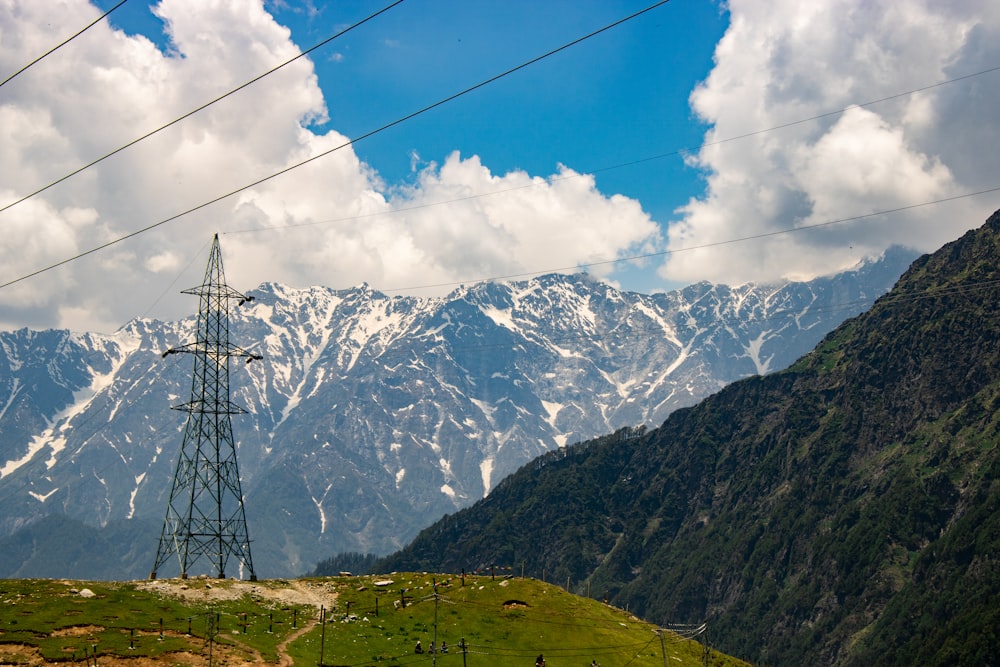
{"x":371,"y":415}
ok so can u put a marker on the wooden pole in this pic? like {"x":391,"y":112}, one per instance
{"x":322,"y":634}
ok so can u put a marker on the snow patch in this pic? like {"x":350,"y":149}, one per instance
{"x":565,"y":353}
{"x":369,"y":326}
{"x":14,"y":390}
{"x":486,"y":471}
{"x":501,"y":318}
{"x":552,"y":410}
{"x":41,"y":497}
{"x":131,"y":496}
{"x":35,"y":446}
{"x":753,"y":351}
{"x":485,"y":407}
{"x":445,"y":467}
{"x":54,"y":436}
{"x":318,"y":502}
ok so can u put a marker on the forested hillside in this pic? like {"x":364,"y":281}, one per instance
{"x":844,"y":511}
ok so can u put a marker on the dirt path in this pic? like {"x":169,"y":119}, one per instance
{"x":285,"y":660}
{"x":316,"y":594}
{"x":320,"y":597}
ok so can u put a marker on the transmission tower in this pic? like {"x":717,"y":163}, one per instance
{"x":205,"y":516}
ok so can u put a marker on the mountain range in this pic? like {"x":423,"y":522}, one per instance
{"x":843,"y":511}
{"x":370,"y":416}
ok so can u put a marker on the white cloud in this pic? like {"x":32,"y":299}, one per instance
{"x":106,"y":88}
{"x":785,"y":61}
{"x":165,"y":261}
{"x":444,"y":228}
{"x":42,"y":232}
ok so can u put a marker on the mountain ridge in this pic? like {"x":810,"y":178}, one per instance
{"x":374,"y":415}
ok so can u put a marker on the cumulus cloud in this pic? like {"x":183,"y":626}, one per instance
{"x":786,"y":61}
{"x":458,"y":221}
{"x":332,"y":222}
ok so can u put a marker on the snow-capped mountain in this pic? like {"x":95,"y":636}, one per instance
{"x":373,"y":415}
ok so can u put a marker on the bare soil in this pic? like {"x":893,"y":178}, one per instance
{"x":312,"y":593}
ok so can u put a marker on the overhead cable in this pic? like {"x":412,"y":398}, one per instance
{"x":198,"y":109}
{"x":598,"y":170}
{"x":347,"y":143}
{"x":827,"y":114}
{"x":701,"y":246}
{"x":65,"y":41}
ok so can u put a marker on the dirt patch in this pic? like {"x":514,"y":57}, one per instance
{"x":515,"y":604}
{"x":12,"y":654}
{"x":29,"y":656}
{"x":77,"y":631}
{"x":311,"y":593}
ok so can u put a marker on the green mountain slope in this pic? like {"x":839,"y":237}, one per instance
{"x":842,"y":512}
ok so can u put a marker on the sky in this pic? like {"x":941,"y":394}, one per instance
{"x":728,"y":142}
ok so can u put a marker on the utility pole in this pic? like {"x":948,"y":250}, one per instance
{"x":211,"y":637}
{"x":322,"y":636}
{"x":205,"y":516}
{"x":434,"y":645}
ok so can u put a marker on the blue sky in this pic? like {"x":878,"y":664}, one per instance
{"x":615,"y":98}
{"x":614,"y":105}
{"x":618,"y":97}
{"x":698,"y":133}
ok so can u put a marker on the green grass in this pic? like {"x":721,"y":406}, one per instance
{"x":122,"y":620}
{"x":63,"y":625}
{"x":500,"y":622}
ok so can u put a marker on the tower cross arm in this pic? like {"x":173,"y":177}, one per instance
{"x":201,"y":347}
{"x":220,"y":292}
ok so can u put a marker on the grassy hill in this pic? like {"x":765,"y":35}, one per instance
{"x":484,"y":620}
{"x":845,"y":511}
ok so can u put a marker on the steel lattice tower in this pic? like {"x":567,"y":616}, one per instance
{"x":205,"y":516}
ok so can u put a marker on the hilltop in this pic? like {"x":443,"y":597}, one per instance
{"x":505,"y":621}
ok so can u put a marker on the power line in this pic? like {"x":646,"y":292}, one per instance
{"x":712,"y":244}
{"x":196,"y":255}
{"x":91,"y":416}
{"x":201,"y":108}
{"x":838,"y":112}
{"x":650,"y":158}
{"x":347,"y":143}
{"x":65,"y":41}
{"x":631,"y":163}
{"x":475,"y":196}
